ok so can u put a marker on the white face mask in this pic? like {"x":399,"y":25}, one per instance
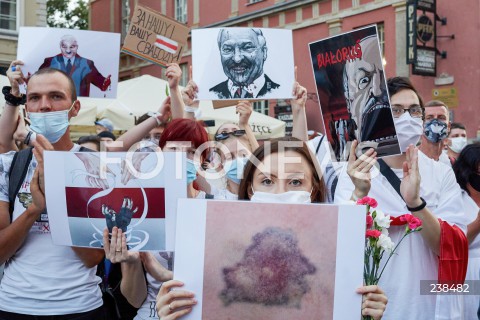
{"x":286,"y":197}
{"x":52,"y":125}
{"x":409,"y":130}
{"x":458,"y":143}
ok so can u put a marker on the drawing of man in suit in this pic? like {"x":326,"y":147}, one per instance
{"x":81,"y":70}
{"x":243,"y":52}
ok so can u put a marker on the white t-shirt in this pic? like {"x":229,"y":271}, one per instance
{"x":413,"y":260}
{"x":329,"y":169}
{"x":42,"y":278}
{"x":147,"y":310}
{"x":473,"y":271}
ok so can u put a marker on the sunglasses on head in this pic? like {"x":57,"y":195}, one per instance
{"x":225,"y":135}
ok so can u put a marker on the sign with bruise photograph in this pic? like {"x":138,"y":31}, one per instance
{"x":243,"y":63}
{"x":154,"y":37}
{"x":297,"y":261}
{"x":87,"y":192}
{"x":352,"y":90}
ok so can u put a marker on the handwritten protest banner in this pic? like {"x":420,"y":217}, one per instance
{"x":155,"y":37}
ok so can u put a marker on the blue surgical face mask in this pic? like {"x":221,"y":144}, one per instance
{"x":234,"y":169}
{"x":51,"y":125}
{"x":435,"y":130}
{"x":191,"y":171}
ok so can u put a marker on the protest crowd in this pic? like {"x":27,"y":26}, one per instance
{"x":435,"y":178}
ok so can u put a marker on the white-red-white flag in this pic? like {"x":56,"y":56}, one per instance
{"x":166,"y":44}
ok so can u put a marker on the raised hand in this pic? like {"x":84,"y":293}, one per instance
{"x":410,"y":185}
{"x":15,"y":77}
{"x":189,"y":93}
{"x":173,"y":74}
{"x":359,"y":170}
{"x":116,"y":248}
{"x":244,"y":110}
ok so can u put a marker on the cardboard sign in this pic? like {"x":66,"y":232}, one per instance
{"x":352,"y":89}
{"x":154,"y":37}
{"x":296,"y":261}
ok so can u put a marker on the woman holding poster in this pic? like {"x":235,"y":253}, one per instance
{"x":272,"y":179}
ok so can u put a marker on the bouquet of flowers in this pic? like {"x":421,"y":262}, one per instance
{"x":377,"y":240}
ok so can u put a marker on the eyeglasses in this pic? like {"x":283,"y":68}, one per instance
{"x":225,"y":135}
{"x":415,"y":111}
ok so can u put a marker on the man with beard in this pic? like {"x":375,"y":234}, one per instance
{"x":367,"y":100}
{"x":243,"y":53}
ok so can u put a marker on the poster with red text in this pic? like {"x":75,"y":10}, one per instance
{"x":352,"y":90}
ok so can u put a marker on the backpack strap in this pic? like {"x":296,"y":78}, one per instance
{"x":18,"y":171}
{"x":390,"y":175}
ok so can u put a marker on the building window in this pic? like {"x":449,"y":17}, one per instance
{"x":184,"y":78}
{"x":253,"y":1}
{"x":8,"y":15}
{"x":181,"y":10}
{"x":261,"y":106}
{"x":125,"y":18}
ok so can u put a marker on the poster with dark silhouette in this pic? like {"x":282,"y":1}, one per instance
{"x":247,"y":260}
{"x":351,"y":84}
{"x":88,"y":192}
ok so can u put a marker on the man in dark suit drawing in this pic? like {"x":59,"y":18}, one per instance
{"x":243,"y":52}
{"x":81,"y":70}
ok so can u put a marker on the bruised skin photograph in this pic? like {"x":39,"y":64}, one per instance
{"x":280,"y":267}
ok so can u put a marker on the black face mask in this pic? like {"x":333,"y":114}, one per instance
{"x":475,"y":181}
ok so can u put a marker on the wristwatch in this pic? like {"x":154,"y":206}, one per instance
{"x":156,"y":115}
{"x":11,"y":99}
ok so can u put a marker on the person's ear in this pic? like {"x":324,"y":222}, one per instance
{"x":75,"y":108}
{"x":265,"y":53}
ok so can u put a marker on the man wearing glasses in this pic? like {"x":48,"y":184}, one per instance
{"x":411,"y":182}
{"x":243,"y":53}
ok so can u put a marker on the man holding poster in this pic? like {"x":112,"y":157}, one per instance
{"x":41,"y":279}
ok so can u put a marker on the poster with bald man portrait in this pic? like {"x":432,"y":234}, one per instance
{"x":352,"y":89}
{"x":90,"y":58}
{"x":243,"y":63}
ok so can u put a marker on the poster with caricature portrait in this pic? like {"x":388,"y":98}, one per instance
{"x":243,"y":63}
{"x":352,"y":89}
{"x":90,"y":58}
{"x":135,"y":192}
{"x":297,"y":261}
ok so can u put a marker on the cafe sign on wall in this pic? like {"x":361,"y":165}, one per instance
{"x":421,"y":42}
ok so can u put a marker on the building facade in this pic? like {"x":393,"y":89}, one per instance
{"x":312,"y":20}
{"x":13,"y":15}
